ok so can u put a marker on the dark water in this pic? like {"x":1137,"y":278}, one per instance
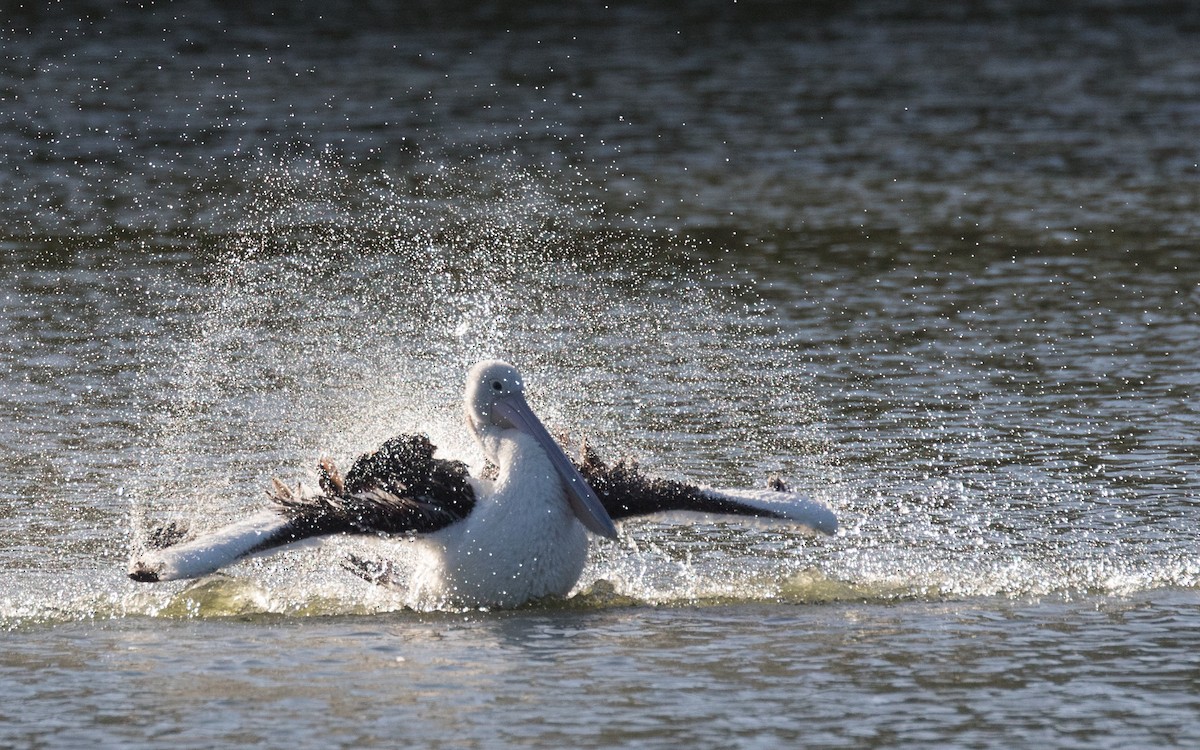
{"x":935,"y":267}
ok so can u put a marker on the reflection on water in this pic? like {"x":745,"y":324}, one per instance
{"x":933,"y":266}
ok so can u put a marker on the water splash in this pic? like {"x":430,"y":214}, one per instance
{"x":331,"y":308}
{"x":342,"y":308}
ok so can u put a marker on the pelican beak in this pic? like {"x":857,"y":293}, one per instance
{"x":588,"y":508}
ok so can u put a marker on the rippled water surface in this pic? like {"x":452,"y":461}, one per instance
{"x":934,"y":268}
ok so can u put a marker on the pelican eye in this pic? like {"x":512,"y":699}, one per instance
{"x":497,"y":385}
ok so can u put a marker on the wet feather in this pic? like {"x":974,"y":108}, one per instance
{"x":400,"y":488}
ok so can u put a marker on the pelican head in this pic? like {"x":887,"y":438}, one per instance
{"x":495,"y":402}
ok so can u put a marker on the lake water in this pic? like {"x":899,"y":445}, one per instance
{"x":936,"y":268}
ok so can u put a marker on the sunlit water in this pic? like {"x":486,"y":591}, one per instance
{"x":937,"y":271}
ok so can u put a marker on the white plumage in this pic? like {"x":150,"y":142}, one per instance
{"x":496,"y":542}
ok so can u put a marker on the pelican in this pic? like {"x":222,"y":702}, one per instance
{"x":518,"y":533}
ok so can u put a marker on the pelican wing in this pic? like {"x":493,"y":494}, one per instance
{"x":399,"y":489}
{"x":626,"y":492}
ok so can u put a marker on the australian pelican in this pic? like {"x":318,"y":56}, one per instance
{"x":518,"y":533}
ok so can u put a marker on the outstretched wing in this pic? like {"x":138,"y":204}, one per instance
{"x":626,"y":492}
{"x":399,"y":489}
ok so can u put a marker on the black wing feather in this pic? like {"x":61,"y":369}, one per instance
{"x":626,"y":492}
{"x":400,"y":488}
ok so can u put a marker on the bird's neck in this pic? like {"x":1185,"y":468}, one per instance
{"x":525,"y":471}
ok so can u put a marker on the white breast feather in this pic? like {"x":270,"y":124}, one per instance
{"x":521,"y":542}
